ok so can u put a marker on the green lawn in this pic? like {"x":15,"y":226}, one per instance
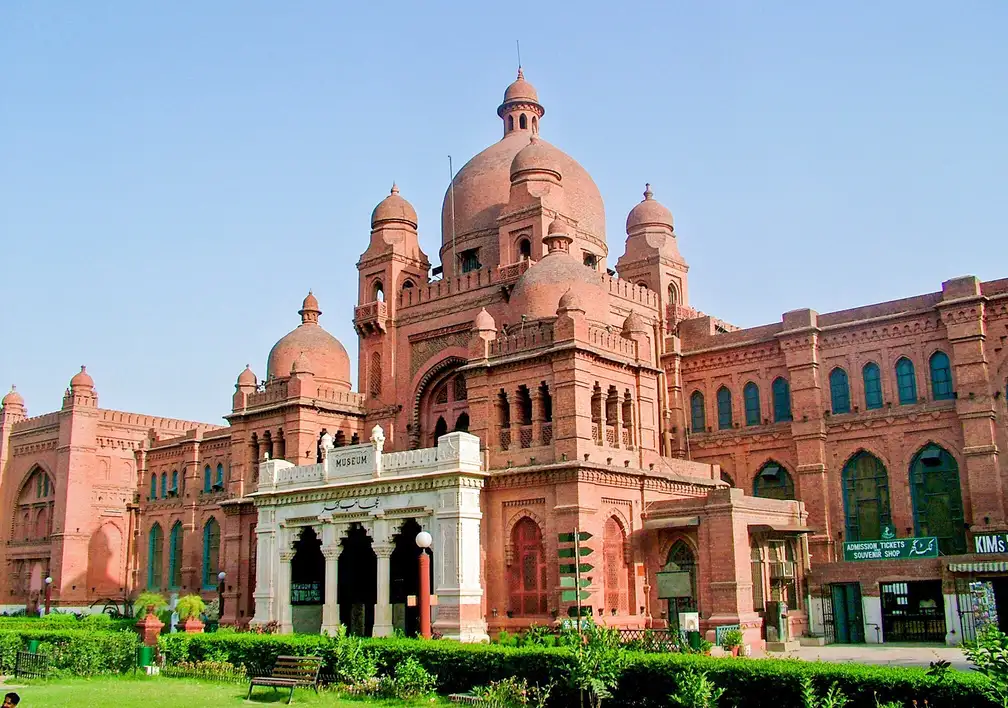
{"x":169,"y":693}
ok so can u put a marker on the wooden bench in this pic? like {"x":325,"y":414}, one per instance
{"x":31,"y":665}
{"x":291,"y":672}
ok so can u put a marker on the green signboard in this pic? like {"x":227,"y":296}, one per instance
{"x":990,"y":543}
{"x":895,"y":549}
{"x":306,"y":593}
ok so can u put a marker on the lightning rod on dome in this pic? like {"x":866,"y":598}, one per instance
{"x":451,"y":190}
{"x":518,"y":47}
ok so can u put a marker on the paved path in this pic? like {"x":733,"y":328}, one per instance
{"x":885,"y":655}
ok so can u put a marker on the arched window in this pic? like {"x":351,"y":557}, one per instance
{"x":724,"y":412}
{"x":407,"y":284}
{"x":440,"y":428}
{"x":522,"y":121}
{"x":206,"y":479}
{"x":698,"y":417}
{"x":590,"y":260}
{"x":535,"y":124}
{"x":681,"y":557}
{"x":155,"y":547}
{"x":616,"y":570}
{"x":174,"y":483}
{"x":752,"y":403}
{"x":175,"y":557}
{"x":164,"y":485}
{"x":462,"y":423}
{"x":524,"y":249}
{"x":528,"y":570}
{"x":211,"y":553}
{"x":941,"y":377}
{"x":906,"y":381}
{"x":510,"y":123}
{"x":773,"y":482}
{"x":839,"y":391}
{"x":153,"y":486}
{"x":379,"y":291}
{"x":872,"y":385}
{"x":937,"y":498}
{"x":727,"y":479}
{"x":781,"y":400}
{"x":673,"y":297}
{"x":866,"y":497}
{"x":219,"y":479}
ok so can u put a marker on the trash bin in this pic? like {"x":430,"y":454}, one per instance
{"x":693,"y":639}
{"x":33,"y":645}
{"x":145,"y":656}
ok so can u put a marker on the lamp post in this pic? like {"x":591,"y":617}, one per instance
{"x":424,"y":540}
{"x":220,"y":595}
{"x":48,"y":593}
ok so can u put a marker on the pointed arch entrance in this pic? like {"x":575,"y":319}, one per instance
{"x":357,"y":582}
{"x":405,"y":578}
{"x":681,"y":557}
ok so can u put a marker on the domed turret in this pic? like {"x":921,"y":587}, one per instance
{"x":82,"y":380}
{"x":650,"y":212}
{"x":394,"y":208}
{"x":325,"y":355}
{"x":536,"y":158}
{"x":12,"y":399}
{"x":634,"y":324}
{"x":247,"y":378}
{"x":484,"y":322}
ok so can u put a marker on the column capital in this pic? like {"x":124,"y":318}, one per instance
{"x":286,"y":556}
{"x":383,"y":550}
{"x":331,"y":552}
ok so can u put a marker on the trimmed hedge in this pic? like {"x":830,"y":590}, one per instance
{"x":646,"y":683}
{"x":77,"y":652}
{"x":68,"y":621}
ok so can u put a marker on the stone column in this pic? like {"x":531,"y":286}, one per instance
{"x":516,"y":416}
{"x":330,"y":610}
{"x":266,"y":570}
{"x":456,"y":548}
{"x":383,"y":608}
{"x":284,"y":591}
{"x":603,"y":398}
{"x":618,"y":437}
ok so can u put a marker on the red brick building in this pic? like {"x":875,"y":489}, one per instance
{"x":603,"y":401}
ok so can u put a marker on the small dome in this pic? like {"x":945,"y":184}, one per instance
{"x":484,"y":321}
{"x":649,"y":212}
{"x":538,"y":292}
{"x":301,"y":365}
{"x":82,"y":379}
{"x":325,"y":355}
{"x":570,"y":300}
{"x":12,"y":399}
{"x":247,"y":378}
{"x":535,"y":157}
{"x":520,"y":91}
{"x":557,"y":227}
{"x":394,"y":208}
{"x":634,"y":324}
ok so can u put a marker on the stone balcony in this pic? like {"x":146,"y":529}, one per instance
{"x":371,"y":317}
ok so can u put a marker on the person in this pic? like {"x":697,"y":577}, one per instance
{"x":11,"y":700}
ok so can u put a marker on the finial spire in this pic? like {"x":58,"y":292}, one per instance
{"x":395,"y":188}
{"x":518,"y":47}
{"x":648,"y":194}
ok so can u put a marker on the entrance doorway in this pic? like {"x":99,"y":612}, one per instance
{"x":357,"y":582}
{"x":307,"y":583}
{"x":913,"y":611}
{"x":848,"y":620}
{"x":405,"y":578}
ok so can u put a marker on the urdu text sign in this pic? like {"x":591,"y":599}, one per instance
{"x":896,"y":549}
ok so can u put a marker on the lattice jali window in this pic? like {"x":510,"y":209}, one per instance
{"x":595,"y":432}
{"x":461,"y":393}
{"x":526,"y":436}
{"x":375,"y":374}
{"x":441,"y":396}
{"x":547,"y":433}
{"x":505,"y":439}
{"x":610,"y":435}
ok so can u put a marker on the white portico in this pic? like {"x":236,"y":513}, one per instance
{"x":336,"y":540}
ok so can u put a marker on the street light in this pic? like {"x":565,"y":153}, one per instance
{"x":48,"y":593}
{"x":220,"y":595}
{"x":424,"y":540}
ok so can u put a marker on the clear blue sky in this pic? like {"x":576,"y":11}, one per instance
{"x":175,"y":176}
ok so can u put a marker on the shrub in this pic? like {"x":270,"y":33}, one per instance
{"x":74,"y":652}
{"x":513,"y":692}
{"x":148,"y":599}
{"x":408,"y":680}
{"x":989,"y":655}
{"x":646,"y":681}
{"x":695,"y":691}
{"x":732,"y":638}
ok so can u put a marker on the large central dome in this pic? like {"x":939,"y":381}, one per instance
{"x":483,"y":185}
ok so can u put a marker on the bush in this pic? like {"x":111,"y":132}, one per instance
{"x":406,"y":681}
{"x":646,"y":681}
{"x":75,"y":652}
